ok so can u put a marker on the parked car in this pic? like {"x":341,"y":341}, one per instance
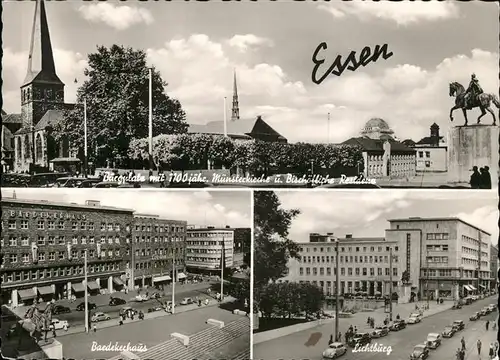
{"x":456,"y":306}
{"x":58,"y":324}
{"x":187,"y":301}
{"x":59,"y":309}
{"x":99,"y":316}
{"x":380,"y":331}
{"x":46,"y":179}
{"x":413,"y":319}
{"x":128,"y":311}
{"x":155,"y":295}
{"x":88,"y":183}
{"x":475,"y":316}
{"x":420,"y":352}
{"x":114,"y":301}
{"x":398,"y":325}
{"x":360,"y":339}
{"x":419,"y":314}
{"x":492,"y":307}
{"x":458,"y":325}
{"x":141,"y":298}
{"x":81,"y":306}
{"x":448,"y":332}
{"x":433,"y":340}
{"x":106,"y":185}
{"x":334,"y":350}
{"x":156,"y":308}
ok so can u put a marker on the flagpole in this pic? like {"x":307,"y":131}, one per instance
{"x":225,"y":118}
{"x":85,"y":161}
{"x":86,"y":295}
{"x":174,"y":278}
{"x":223,"y":262}
{"x":150,"y":129}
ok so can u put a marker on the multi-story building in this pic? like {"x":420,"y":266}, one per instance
{"x":44,"y":244}
{"x":363,"y":262}
{"x":204,"y":249}
{"x":158,"y":244}
{"x":445,"y":257}
{"x":494,"y":266}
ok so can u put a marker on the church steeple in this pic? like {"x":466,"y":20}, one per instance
{"x":41,"y":64}
{"x":42,"y":89}
{"x":235,"y":113}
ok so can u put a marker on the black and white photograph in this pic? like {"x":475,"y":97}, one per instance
{"x":100,"y":274}
{"x":235,"y":94}
{"x":375,"y":275}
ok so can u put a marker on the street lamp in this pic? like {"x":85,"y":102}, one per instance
{"x":337,"y":287}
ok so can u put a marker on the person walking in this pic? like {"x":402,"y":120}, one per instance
{"x":487,"y":325}
{"x":479,"y":344}
{"x":463,"y":343}
{"x":339,"y":337}
{"x":475,"y":178}
{"x":95,"y":328}
{"x":491,"y":352}
{"x":330,"y":342}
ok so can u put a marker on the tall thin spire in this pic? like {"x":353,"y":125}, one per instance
{"x":235,"y":113}
{"x":41,"y":65}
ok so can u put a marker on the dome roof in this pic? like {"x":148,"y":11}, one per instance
{"x":376,"y":123}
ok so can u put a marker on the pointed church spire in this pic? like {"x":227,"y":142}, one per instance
{"x":235,"y":113}
{"x":41,"y":64}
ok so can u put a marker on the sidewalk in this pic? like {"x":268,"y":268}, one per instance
{"x":147,"y":316}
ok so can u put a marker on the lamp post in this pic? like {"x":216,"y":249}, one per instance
{"x":150,"y":121}
{"x":86,"y":293}
{"x":337,"y":287}
{"x":174,"y":278}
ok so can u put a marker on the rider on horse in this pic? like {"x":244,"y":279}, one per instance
{"x":472,"y":92}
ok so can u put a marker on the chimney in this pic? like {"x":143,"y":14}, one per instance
{"x":228,"y":227}
{"x":329,"y":233}
{"x":348,"y":236}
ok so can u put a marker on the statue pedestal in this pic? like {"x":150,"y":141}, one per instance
{"x":51,"y":350}
{"x":404,"y":294}
{"x":468,"y":146}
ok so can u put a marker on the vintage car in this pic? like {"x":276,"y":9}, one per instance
{"x":420,"y":352}
{"x":448,"y":332}
{"x":433,"y":340}
{"x":334,"y":350}
{"x":380,"y":331}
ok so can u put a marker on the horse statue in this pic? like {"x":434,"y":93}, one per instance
{"x":483,"y":101}
{"x":36,"y":322}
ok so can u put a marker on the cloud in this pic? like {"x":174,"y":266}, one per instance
{"x":69,"y":66}
{"x":116,"y":16}
{"x":197,"y":208}
{"x":244,"y":42}
{"x":402,"y":13}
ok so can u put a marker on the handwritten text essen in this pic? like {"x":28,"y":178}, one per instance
{"x":351,"y":63}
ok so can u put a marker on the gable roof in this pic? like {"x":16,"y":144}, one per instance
{"x":429,"y":140}
{"x":11,"y":118}
{"x":372,"y":145}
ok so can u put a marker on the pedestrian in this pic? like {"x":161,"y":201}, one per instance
{"x":475,"y":178}
{"x":462,"y":355}
{"x":331,"y":340}
{"x":487,"y":325}
{"x":463,"y":343}
{"x":95,"y":328}
{"x":459,"y":354}
{"x":54,"y":331}
{"x":121,"y":322}
{"x":65,"y":327}
{"x":479,"y":344}
{"x":398,"y":317}
{"x":491,"y":351}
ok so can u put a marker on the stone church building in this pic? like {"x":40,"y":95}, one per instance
{"x":27,"y":143}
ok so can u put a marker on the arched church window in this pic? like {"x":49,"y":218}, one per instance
{"x":18,"y":148}
{"x":39,"y":148}
{"x":27,"y":147}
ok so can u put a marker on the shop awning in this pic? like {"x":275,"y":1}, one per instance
{"x":484,"y":287}
{"x":78,"y":287}
{"x":117,"y":281}
{"x":26,"y":294}
{"x":45,"y":290}
{"x":162,"y":278}
{"x":466,"y":287}
{"x":93,"y":285}
{"x":472,"y":288}
{"x":181,"y":276}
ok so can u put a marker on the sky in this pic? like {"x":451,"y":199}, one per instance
{"x":197,"y":46}
{"x":365,"y":214}
{"x":201,"y":208}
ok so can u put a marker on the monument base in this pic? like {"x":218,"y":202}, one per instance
{"x":469,"y":146}
{"x":51,"y":350}
{"x":404,"y":294}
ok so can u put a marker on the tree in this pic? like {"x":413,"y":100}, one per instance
{"x":405,"y":277}
{"x":272,"y":247}
{"x":117,"y":98}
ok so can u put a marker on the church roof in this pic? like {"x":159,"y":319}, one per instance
{"x":51,"y":118}
{"x":429,"y":140}
{"x":372,"y":145}
{"x":41,"y":65}
{"x":241,"y":128}
{"x":378,"y":123}
{"x":11,"y":118}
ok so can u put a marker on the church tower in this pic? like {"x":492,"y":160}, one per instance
{"x":42,"y":89}
{"x":235,"y":113}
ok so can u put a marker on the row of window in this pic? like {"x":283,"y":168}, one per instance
{"x":205,"y":243}
{"x":438,"y":236}
{"x":438,"y":259}
{"x":472,"y":241}
{"x":358,"y":271}
{"x":474,"y":262}
{"x":349,"y":249}
{"x":352,"y":286}
{"x":167,"y":264}
{"x":211,"y":234}
{"x":436,"y":272}
{"x":215,"y":260}
{"x":437,"y":248}
{"x":179,"y":252}
{"x":209,"y":251}
{"x":61,"y":240}
{"x":159,"y":228}
{"x":60,"y":225}
{"x":57,"y":272}
{"x":157,"y":239}
{"x":61,"y":255}
{"x":470,"y":251}
{"x":348,"y":259}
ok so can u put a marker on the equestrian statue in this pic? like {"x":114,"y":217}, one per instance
{"x":471,"y":98}
{"x":35,"y":322}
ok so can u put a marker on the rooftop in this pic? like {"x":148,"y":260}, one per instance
{"x":450,"y":218}
{"x":47,"y":203}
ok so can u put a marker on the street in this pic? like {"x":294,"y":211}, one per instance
{"x":302,"y":346}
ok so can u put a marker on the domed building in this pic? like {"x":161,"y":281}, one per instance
{"x":377,"y":129}
{"x":383,"y":155}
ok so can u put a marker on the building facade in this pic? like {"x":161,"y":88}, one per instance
{"x":445,"y":257}
{"x":44,"y":244}
{"x":363,"y":263}
{"x":432,"y":152}
{"x":204,"y":248}
{"x":158,"y":244}
{"x":494,"y":267}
